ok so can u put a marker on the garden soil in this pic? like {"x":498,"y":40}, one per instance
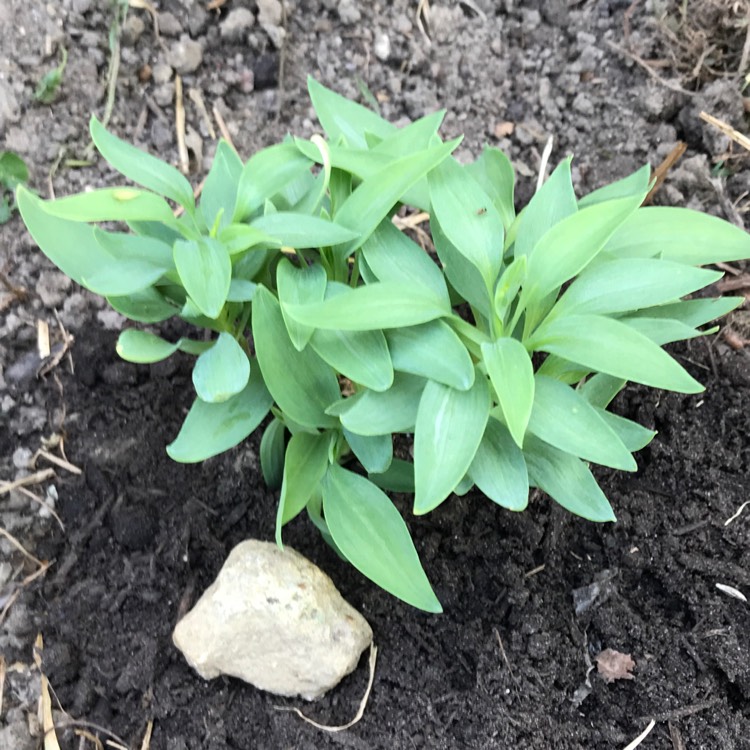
{"x":531,"y":600}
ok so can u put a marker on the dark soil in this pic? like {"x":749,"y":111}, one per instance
{"x":508,"y":663}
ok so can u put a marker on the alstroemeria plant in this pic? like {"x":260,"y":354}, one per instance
{"x":499,"y":356}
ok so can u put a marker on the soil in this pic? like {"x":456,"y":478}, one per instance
{"x":530,"y":599}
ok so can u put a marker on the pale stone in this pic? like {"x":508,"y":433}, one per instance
{"x":275,"y":620}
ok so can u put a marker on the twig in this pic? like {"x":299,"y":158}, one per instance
{"x":543,"y":164}
{"x":644,"y":64}
{"x":505,"y":658}
{"x":222,"y":126}
{"x":423,"y":9}
{"x":681,"y":713}
{"x":44,"y":505}
{"x":54,"y":460}
{"x":737,"y":514}
{"x":2,"y":681}
{"x":146,"y":744}
{"x":21,"y":548}
{"x":179,"y":123}
{"x":36,"y":478}
{"x":197,"y":98}
{"x":660,"y":173}
{"x":727,"y":129}
{"x":745,"y":58}
{"x":642,"y":736}
{"x":360,"y":712}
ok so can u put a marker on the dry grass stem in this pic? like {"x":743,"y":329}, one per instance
{"x":2,"y":681}
{"x":648,"y":67}
{"x":737,"y":514}
{"x":36,"y":478}
{"x":42,"y":338}
{"x":46,"y":506}
{"x":179,"y":124}
{"x":544,"y":161}
{"x":660,"y":173}
{"x":727,"y":129}
{"x":61,"y":462}
{"x":146,"y":744}
{"x":423,"y":12}
{"x":197,"y":98}
{"x":360,"y":711}
{"x":222,"y":126}
{"x":642,"y":736}
{"x":21,"y":548}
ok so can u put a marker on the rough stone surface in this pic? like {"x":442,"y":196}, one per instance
{"x":275,"y":620}
{"x":237,"y":23}
{"x":186,"y":55}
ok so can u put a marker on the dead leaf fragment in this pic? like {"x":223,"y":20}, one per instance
{"x":613,"y":665}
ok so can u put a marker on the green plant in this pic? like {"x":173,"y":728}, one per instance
{"x":13,"y":172}
{"x":49,"y":84}
{"x":500,"y":359}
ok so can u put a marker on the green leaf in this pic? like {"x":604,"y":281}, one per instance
{"x":374,"y":198}
{"x":681,"y":235}
{"x":512,"y":375}
{"x":375,"y":452}
{"x":241,"y":290}
{"x":434,"y":351}
{"x":468,"y":218}
{"x":499,"y":468}
{"x":449,"y":428}
{"x":398,"y":477}
{"x":637,"y":183}
{"x":219,"y":192}
{"x":392,"y":256}
{"x":416,"y":136}
{"x":111,"y":204}
{"x":238,"y":238}
{"x":506,"y":291}
{"x":601,"y":388}
{"x":494,"y":172}
{"x":609,"y":346}
{"x":381,"y":413}
{"x":13,"y":170}
{"x":221,"y":371}
{"x":46,"y":90}
{"x":361,"y":356}
{"x":635,"y":437}
{"x":128,"y":247}
{"x":552,"y":203}
{"x":343,"y":118}
{"x":623,"y":284}
{"x":206,"y":272}
{"x":265,"y":174}
{"x":210,"y":429}
{"x":301,"y":383}
{"x":371,"y":534}
{"x":272,"y":453}
{"x":299,"y":286}
{"x":563,"y":418}
{"x":567,"y":480}
{"x":662,"y":330}
{"x":141,"y":167}
{"x":305,"y":465}
{"x":301,"y":231}
{"x":143,"y":347}
{"x":365,"y":308}
{"x":146,"y":306}
{"x":692,"y":312}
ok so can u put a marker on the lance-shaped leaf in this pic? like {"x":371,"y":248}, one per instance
{"x":146,"y":306}
{"x":374,"y":198}
{"x":449,"y":428}
{"x":494,"y":173}
{"x":375,"y":452}
{"x":375,"y":306}
{"x":301,"y":383}
{"x":371,"y":534}
{"x":272,"y":453}
{"x":206,"y":273}
{"x":553,"y":202}
{"x":662,"y":330}
{"x":563,"y":418}
{"x":299,"y":286}
{"x":499,"y":469}
{"x":301,"y":231}
{"x":398,"y":477}
{"x":210,"y":429}
{"x":634,"y":436}
{"x":468,"y":218}
{"x":305,"y":465}
{"x":567,"y":480}
{"x":512,"y":375}
{"x":219,"y":192}
{"x":343,"y":118}
{"x":622,"y":284}
{"x":381,"y":413}
{"x":142,"y":167}
{"x":265,"y":174}
{"x":111,"y":204}
{"x":392,"y":256}
{"x":692,"y":312}
{"x":600,"y":389}
{"x":434,"y":351}
{"x":612,"y":347}
{"x":221,"y":371}
{"x":681,"y":235}
{"x":506,"y":291}
{"x":144,"y":347}
{"x":637,"y":183}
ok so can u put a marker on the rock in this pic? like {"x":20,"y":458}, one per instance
{"x":132,"y":30}
{"x":186,"y":55}
{"x":53,"y":287}
{"x":161,"y":73}
{"x":275,"y":620}
{"x":9,"y":110}
{"x":382,"y":47}
{"x":270,"y":12}
{"x":234,"y":26}
{"x":349,"y":13}
{"x":17,"y":736}
{"x":169,"y":25}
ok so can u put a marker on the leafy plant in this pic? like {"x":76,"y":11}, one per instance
{"x":13,"y":172}
{"x":49,"y":84}
{"x":500,"y":356}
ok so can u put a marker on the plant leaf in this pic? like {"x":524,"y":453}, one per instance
{"x":221,"y":371}
{"x":143,"y":347}
{"x":512,"y":375}
{"x":205,"y":271}
{"x":434,"y":351}
{"x":146,"y":306}
{"x":301,"y":383}
{"x":219,"y":192}
{"x":301,"y":231}
{"x":494,"y":173}
{"x":141,"y":167}
{"x":305,"y":465}
{"x":272,"y":453}
{"x":398,"y":477}
{"x":210,"y":429}
{"x":609,"y":346}
{"x":692,"y":312}
{"x":499,"y":468}
{"x":375,"y":452}
{"x":634,"y":436}
{"x":563,"y":418}
{"x":111,"y":204}
{"x":637,"y":183}
{"x":371,"y":534}
{"x":567,"y":480}
{"x":299,"y":286}
{"x":449,"y":428}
